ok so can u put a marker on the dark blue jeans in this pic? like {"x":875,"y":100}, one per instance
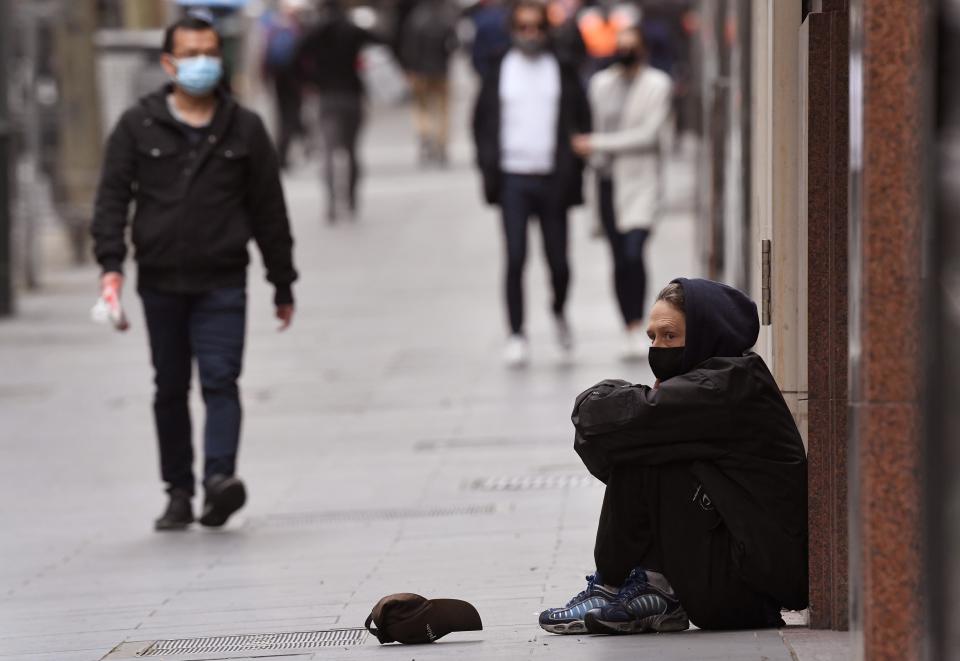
{"x":211,"y":328}
{"x":629,"y":269}
{"x":523,"y":196}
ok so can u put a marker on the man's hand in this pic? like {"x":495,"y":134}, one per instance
{"x":285,"y":315}
{"x":112,"y":279}
{"x":582,"y":145}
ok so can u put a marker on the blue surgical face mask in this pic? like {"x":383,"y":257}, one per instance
{"x":198,"y":76}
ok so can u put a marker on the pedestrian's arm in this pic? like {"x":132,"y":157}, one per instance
{"x":642,"y":134}
{"x":686,"y":419}
{"x":693,"y":406}
{"x":481,"y":115}
{"x":112,"y":205}
{"x":267,"y":211}
{"x":582,"y":117}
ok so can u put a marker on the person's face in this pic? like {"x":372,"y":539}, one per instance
{"x":668,"y":326}
{"x":528,"y":24}
{"x":630,"y":42}
{"x":190,"y":43}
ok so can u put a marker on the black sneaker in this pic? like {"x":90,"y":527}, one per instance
{"x":569,"y":619}
{"x":224,"y":496}
{"x":179,"y":512}
{"x":639,"y":608}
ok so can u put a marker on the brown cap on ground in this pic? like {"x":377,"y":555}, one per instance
{"x":411,"y":619}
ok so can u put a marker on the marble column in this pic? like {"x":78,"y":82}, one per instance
{"x":886,"y":214}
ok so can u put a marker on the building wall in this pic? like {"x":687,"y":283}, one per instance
{"x":775,"y":212}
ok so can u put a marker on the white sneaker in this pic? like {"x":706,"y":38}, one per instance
{"x":516,"y":353}
{"x":636,"y":346}
{"x":564,"y":335}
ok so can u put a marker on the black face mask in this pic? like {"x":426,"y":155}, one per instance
{"x":628,"y":58}
{"x":666,"y":362}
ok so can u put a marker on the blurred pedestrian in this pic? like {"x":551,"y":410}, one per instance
{"x":631,"y":103}
{"x":568,"y":41}
{"x":529,"y":107}
{"x":491,"y":35}
{"x":203,"y":177}
{"x":282,"y":31}
{"x":599,"y":26}
{"x":429,"y":41}
{"x":329,"y":58}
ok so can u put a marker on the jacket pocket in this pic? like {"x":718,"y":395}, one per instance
{"x":227,"y":169}
{"x":157,"y":166}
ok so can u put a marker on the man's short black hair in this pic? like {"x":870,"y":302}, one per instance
{"x":537,"y":5}
{"x":188,"y":23}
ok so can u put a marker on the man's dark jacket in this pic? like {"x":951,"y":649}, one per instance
{"x":574,"y":118}
{"x":726,"y":418}
{"x":196,"y":205}
{"x":328,"y":55}
{"x":429,"y":39}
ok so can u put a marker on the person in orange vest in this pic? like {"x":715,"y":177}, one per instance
{"x":600,"y":27}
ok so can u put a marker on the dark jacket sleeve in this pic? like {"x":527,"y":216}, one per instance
{"x":486,"y":135}
{"x":687,"y":418}
{"x":582,"y":115}
{"x":267,"y":211}
{"x":114,"y":193}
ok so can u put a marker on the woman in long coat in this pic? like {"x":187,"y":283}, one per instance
{"x":631,"y":103}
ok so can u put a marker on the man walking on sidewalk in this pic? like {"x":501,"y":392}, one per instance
{"x":328,"y":57}
{"x":529,"y":108}
{"x":431,"y":39}
{"x":204,"y":178}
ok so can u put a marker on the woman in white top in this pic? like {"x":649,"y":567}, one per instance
{"x":631,"y":104}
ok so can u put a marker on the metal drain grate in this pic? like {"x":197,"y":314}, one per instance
{"x":254,"y":642}
{"x":532,"y":482}
{"x":298,"y":519}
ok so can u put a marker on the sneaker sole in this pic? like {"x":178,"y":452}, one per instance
{"x":171,"y":527}
{"x":652,"y":624}
{"x":228,"y":500}
{"x":566,"y":628}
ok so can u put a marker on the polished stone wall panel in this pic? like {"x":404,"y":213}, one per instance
{"x":885,"y":366}
{"x":827,"y":207}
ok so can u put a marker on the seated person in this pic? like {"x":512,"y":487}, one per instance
{"x":704,"y":518}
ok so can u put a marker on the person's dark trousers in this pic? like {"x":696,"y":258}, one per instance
{"x":341,"y":119}
{"x":286,"y":86}
{"x":523,"y":196}
{"x":209,"y":328}
{"x":659,"y":518}
{"x":629,"y":269}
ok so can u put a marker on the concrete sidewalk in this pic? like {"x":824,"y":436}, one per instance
{"x":385,"y":448}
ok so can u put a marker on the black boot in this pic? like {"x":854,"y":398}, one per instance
{"x":179,"y":512}
{"x":224,"y":496}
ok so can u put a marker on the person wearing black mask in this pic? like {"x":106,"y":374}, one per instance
{"x":631,"y":104}
{"x":529,"y":107}
{"x":704,"y":518}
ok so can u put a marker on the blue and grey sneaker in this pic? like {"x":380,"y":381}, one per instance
{"x":639,"y":607}
{"x":569,"y":619}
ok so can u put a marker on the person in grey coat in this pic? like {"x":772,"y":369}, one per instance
{"x":631,"y":104}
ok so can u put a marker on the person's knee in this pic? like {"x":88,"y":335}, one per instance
{"x":219,"y":375}
{"x":515,"y":265}
{"x":171,"y":385}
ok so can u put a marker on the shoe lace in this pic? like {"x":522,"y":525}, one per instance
{"x":635,"y":584}
{"x":583,"y":594}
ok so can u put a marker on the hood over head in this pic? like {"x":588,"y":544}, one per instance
{"x":721,"y":321}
